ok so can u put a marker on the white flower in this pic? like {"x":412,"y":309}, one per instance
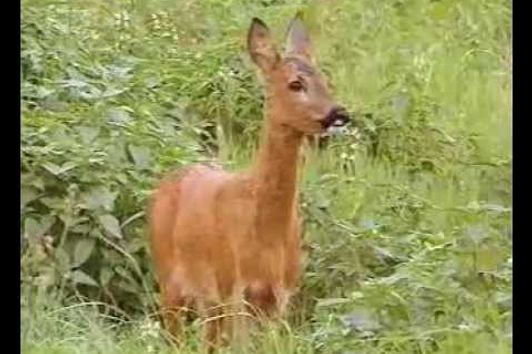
{"x":149,"y":329}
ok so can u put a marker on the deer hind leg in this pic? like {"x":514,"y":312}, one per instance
{"x":214,"y":325}
{"x":174,"y":307}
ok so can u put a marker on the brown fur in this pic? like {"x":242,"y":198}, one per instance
{"x":220,"y":238}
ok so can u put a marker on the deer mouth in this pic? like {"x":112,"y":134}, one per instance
{"x":335,"y":121}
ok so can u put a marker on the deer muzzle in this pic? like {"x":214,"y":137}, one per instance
{"x":335,"y":120}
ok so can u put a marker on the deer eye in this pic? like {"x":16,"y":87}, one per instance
{"x":296,"y":86}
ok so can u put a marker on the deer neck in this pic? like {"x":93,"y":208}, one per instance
{"x":275,"y":175}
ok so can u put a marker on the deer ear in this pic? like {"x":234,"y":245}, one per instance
{"x":260,"y":45}
{"x":298,"y":40}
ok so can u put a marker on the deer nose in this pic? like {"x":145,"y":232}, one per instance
{"x":340,"y":116}
{"x":337,"y":117}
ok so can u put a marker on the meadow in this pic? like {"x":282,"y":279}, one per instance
{"x":407,"y":217}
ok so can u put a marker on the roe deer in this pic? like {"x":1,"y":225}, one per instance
{"x":220,"y":237}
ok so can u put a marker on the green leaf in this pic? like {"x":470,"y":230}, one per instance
{"x":100,"y":197}
{"x":106,"y":274}
{"x":38,"y":183}
{"x":27,"y":195}
{"x":53,"y":203}
{"x":111,"y":225}
{"x":332,"y":302}
{"x":361,"y":320}
{"x":82,"y":251}
{"x":80,"y":277}
{"x":135,"y":245}
{"x":52,"y":168}
{"x":141,"y":156}
{"x":118,"y":116}
{"x":81,"y":229}
{"x":123,"y":272}
{"x":63,"y":260}
{"x":33,"y":228}
{"x":95,"y":232}
{"x":53,"y":104}
{"x":88,"y":134}
{"x":498,"y":209}
{"x":67,"y":166}
{"x":132,"y":218}
{"x":152,"y":82}
{"x":127,"y":287}
{"x":439,"y":11}
{"x":488,"y":258}
{"x":477,"y":233}
{"x":110,"y":92}
{"x":56,"y":170}
{"x":322,"y":202}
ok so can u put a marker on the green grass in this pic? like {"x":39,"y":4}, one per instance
{"x":408,"y":218}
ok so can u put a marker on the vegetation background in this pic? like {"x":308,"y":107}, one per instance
{"x":407,"y":217}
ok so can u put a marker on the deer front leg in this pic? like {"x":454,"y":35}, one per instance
{"x":261,"y":299}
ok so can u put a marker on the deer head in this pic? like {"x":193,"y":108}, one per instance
{"x":298,"y":95}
